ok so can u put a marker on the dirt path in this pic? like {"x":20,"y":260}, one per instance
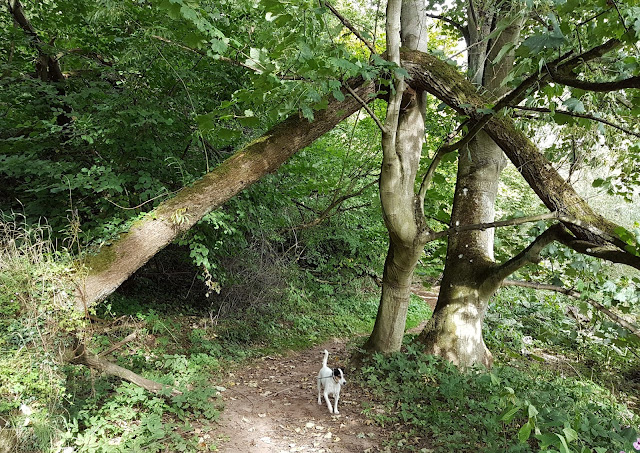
{"x":271,"y":406}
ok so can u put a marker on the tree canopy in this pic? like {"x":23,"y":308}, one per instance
{"x":208,"y":127}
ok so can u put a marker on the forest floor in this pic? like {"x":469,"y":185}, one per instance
{"x":271,"y":406}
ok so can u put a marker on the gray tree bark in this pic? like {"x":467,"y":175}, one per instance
{"x":455,"y":330}
{"x":401,"y":207}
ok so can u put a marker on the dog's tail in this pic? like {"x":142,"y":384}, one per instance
{"x":326,"y":358}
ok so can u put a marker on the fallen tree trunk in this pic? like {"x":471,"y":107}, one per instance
{"x":114,"y":263}
{"x":82,"y":356}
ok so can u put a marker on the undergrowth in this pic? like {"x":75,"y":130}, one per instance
{"x":556,"y":386}
{"x":35,"y":319}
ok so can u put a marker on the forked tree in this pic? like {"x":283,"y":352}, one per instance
{"x":471,"y":276}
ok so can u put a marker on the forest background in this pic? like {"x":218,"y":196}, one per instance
{"x":116,"y":117}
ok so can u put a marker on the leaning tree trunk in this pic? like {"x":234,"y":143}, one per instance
{"x":594,"y":234}
{"x":402,"y":148}
{"x":455,"y":330}
{"x":114,"y":263}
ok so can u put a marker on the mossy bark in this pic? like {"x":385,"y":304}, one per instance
{"x":114,"y":263}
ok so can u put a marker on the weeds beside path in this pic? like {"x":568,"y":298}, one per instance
{"x":271,"y":407}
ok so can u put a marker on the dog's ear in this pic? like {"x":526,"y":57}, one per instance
{"x":338,"y":372}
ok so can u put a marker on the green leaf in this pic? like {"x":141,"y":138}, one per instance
{"x":509,"y":413}
{"x":206,"y":122}
{"x":537,"y":43}
{"x":570,"y":434}
{"x":575,"y":105}
{"x":505,"y":49}
{"x":525,"y":431}
{"x":564,"y":448}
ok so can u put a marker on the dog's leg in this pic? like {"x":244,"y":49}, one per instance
{"x":336,"y":397}
{"x":326,"y":397}
{"x":319,"y":391}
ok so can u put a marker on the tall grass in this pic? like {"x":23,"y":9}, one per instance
{"x":35,"y":315}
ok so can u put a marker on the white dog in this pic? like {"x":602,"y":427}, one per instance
{"x":331,"y":381}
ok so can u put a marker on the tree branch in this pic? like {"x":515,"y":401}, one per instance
{"x":559,"y":232}
{"x":83,"y":356}
{"x":428,"y":176}
{"x":463,"y":29}
{"x":119,"y":344}
{"x":576,"y":295}
{"x":577,"y":115}
{"x":333,"y":206}
{"x":529,"y":255}
{"x":574,"y":82}
{"x":350,"y":26}
{"x":366,"y":107}
{"x":501,"y":223}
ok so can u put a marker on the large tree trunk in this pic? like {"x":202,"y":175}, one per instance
{"x":114,"y":263}
{"x":402,"y":148}
{"x":471,"y":276}
{"x":455,"y":330}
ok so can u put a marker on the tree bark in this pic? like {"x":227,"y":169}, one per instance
{"x":455,"y":329}
{"x":433,"y":75}
{"x":114,"y":263}
{"x":402,"y":148}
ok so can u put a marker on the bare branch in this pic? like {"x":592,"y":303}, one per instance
{"x":350,"y":26}
{"x":365,"y":105}
{"x":463,"y":29}
{"x":574,"y":82}
{"x":529,"y":255}
{"x":83,"y":356}
{"x":578,"y":115}
{"x":559,"y":233}
{"x":428,"y":176}
{"x":501,"y":223}
{"x":119,"y":344}
{"x":333,"y":208}
{"x":576,"y":295}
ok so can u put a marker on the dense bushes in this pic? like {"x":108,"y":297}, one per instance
{"x":520,"y":408}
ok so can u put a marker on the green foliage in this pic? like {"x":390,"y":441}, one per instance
{"x":35,"y":318}
{"x":508,"y":409}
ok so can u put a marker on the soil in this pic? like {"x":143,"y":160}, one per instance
{"x":271,"y":406}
